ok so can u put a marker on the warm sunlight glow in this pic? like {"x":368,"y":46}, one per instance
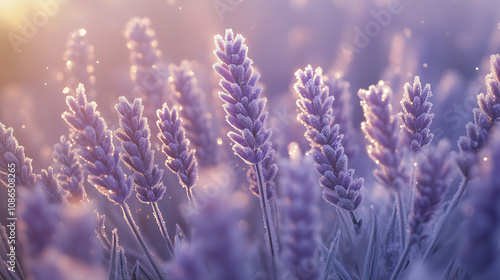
{"x":294,"y":151}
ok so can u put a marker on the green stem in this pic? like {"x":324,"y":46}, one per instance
{"x":266,"y":214}
{"x":138,"y":236}
{"x":163,"y":228}
{"x":445,"y":217}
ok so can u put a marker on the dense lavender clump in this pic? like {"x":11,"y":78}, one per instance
{"x":242,"y":101}
{"x":68,"y":170}
{"x":342,"y":112}
{"x":94,"y":141}
{"x":220,"y":242}
{"x":79,"y":57}
{"x":146,"y":70}
{"x":315,"y":104}
{"x":484,"y":117}
{"x":194,"y":112}
{"x":51,"y":184}
{"x":479,"y":249}
{"x":181,"y":159}
{"x":432,"y":181}
{"x":12,"y":153}
{"x":415,"y":116}
{"x":300,"y":227}
{"x":135,"y":135}
{"x":381,"y":128}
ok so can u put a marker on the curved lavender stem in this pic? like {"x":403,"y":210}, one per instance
{"x":401,"y":262}
{"x":138,"y":236}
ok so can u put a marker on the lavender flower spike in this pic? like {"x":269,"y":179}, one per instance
{"x":181,"y":159}
{"x":79,"y":57}
{"x":382,"y":131}
{"x":145,"y":71}
{"x":416,"y":117}
{"x":432,"y":181}
{"x":300,"y":219}
{"x":68,"y":170}
{"x":315,"y":104}
{"x":51,"y":186}
{"x":246,"y":114}
{"x":484,"y":118}
{"x":342,"y":110}
{"x":135,"y":135}
{"x":12,"y":153}
{"x":95,"y":146}
{"x":433,"y":178}
{"x":479,"y":246}
{"x":241,"y":95}
{"x":197,"y":119}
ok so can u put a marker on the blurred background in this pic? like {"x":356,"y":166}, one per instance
{"x":446,"y":42}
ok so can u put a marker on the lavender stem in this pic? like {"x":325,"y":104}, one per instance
{"x":266,"y":214}
{"x":401,"y":219}
{"x":138,"y":236}
{"x":161,"y":224}
{"x":445,"y":217}
{"x":401,"y":262}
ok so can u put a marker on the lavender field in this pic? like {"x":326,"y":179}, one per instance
{"x":231,"y":139}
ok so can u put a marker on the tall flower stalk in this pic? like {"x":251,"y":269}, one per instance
{"x":246,"y":115}
{"x":135,"y":135}
{"x":432,"y":181}
{"x":79,"y":57}
{"x":381,"y":128}
{"x":194,"y":112}
{"x":316,"y":114}
{"x":342,"y":110}
{"x":477,"y":136}
{"x":146,"y":71}
{"x":90,"y":134}
{"x":300,"y":213}
{"x":180,"y":158}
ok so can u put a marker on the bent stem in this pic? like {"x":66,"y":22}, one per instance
{"x":138,"y":236}
{"x":445,"y":217}
{"x":355,"y":222}
{"x":163,"y":228}
{"x":401,"y":262}
{"x":266,"y":214}
{"x":401,"y":219}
